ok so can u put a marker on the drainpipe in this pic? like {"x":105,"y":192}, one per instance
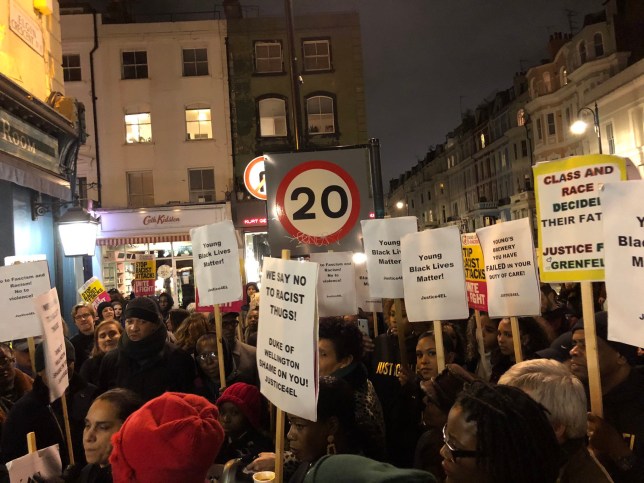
{"x":94,"y":115}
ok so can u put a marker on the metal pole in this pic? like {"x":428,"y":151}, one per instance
{"x":295,"y":77}
{"x":376,"y":178}
{"x":597,"y":129}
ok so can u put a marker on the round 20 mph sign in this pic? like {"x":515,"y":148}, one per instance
{"x":317,"y":203}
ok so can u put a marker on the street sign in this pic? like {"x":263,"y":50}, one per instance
{"x":316,"y":199}
{"x":255,"y":178}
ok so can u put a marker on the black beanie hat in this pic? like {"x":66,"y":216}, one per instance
{"x":101,"y":306}
{"x":143,"y":308}
{"x":39,"y":357}
{"x":601,"y":329}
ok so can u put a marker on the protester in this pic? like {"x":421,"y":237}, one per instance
{"x":173,"y":438}
{"x":105,"y":417}
{"x":240,"y":414}
{"x":144,"y":361}
{"x":482,"y":368}
{"x":207,"y":383}
{"x":499,"y":435}
{"x":166,"y":302}
{"x":118,"y":305}
{"x":617,"y":439}
{"x":252,"y":325}
{"x":251,"y":289}
{"x":21,"y":355}
{"x":84,"y":317}
{"x":455,"y":330}
{"x":193,"y":327}
{"x":348,"y":468}
{"x":340,"y":355}
{"x":175,"y":318}
{"x":244,"y":355}
{"x":34,"y":412}
{"x":106,"y":337}
{"x":13,"y":382}
{"x":551,"y":384}
{"x":105,"y":311}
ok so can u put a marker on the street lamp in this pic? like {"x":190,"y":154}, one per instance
{"x":400,"y":205}
{"x":579,"y":126}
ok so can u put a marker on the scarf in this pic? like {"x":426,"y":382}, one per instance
{"x":146,"y":350}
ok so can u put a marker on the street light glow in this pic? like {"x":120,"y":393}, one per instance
{"x":400,"y":205}
{"x":579,"y":127}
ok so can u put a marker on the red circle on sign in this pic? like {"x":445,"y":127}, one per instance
{"x":252,"y":181}
{"x":287,"y":222}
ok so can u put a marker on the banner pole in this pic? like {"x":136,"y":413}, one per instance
{"x":516,"y":339}
{"x":68,"y":433}
{"x":220,"y":348}
{"x":32,"y":354}
{"x":592,"y":360}
{"x":401,"y":327}
{"x":31,"y":442}
{"x":375,"y":323}
{"x":440,"y":348}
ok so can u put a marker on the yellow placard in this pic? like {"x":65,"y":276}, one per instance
{"x":145,"y":270}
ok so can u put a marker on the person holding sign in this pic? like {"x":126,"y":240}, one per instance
{"x":144,"y":361}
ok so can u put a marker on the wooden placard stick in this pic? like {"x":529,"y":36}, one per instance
{"x":516,"y":339}
{"x":68,"y":433}
{"x":401,"y":327}
{"x":440,"y":348}
{"x":32,"y":353}
{"x":375,"y":323}
{"x":220,"y":348}
{"x":481,"y":345}
{"x":592,"y":360}
{"x":31,"y":443}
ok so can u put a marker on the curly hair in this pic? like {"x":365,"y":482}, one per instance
{"x":193,"y":327}
{"x":345,"y":337}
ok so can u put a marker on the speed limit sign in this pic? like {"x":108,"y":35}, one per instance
{"x":255,"y":179}
{"x":316,"y":199}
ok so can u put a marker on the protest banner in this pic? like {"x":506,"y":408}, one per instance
{"x":19,"y":284}
{"x":336,"y":283}
{"x":624,"y":256}
{"x":216,"y":263}
{"x":41,"y":465}
{"x":510,"y":269}
{"x":381,"y":240}
{"x":145,"y":275}
{"x":569,"y":215}
{"x":364,"y":299}
{"x":93,"y":292}
{"x":433,"y":277}
{"x":474,"y":272}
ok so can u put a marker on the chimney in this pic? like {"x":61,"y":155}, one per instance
{"x":232,"y":9}
{"x":557,"y":40}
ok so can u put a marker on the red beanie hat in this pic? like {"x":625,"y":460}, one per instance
{"x":246,"y":398}
{"x":174,"y":437}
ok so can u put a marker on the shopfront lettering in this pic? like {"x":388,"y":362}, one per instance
{"x":160,"y":219}
{"x":17,"y":138}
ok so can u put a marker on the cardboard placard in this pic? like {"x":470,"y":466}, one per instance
{"x":364,"y":299}
{"x":93,"y":292}
{"x":44,"y":463}
{"x":336,"y":283}
{"x":474,"y":272}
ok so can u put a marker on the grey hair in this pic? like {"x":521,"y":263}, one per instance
{"x":551,"y":384}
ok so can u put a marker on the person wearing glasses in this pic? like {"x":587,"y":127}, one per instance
{"x":499,"y":435}
{"x":208,"y":383}
{"x":84,"y":317}
{"x":244,"y":355}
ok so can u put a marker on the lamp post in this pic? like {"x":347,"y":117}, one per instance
{"x":579,"y":126}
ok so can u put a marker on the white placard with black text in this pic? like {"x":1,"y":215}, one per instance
{"x":365,"y":301}
{"x":336,"y":283}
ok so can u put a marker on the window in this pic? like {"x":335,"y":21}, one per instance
{"x":516,"y":154}
{"x":582,"y":52}
{"x":71,"y":68}
{"x":524,"y":148}
{"x":547,"y":82}
{"x":134,"y":64}
{"x":552,"y":130}
{"x":320,"y":115}
{"x":610,"y":137}
{"x":521,"y":117}
{"x":195,"y":62}
{"x":563,"y":76}
{"x":268,"y":57}
{"x":598,"y":42}
{"x":81,"y":183}
{"x":140,"y":189}
{"x":482,"y":137}
{"x":568,"y":117}
{"x":504,"y":159}
{"x":201,"y":185}
{"x":539,"y":130}
{"x":317,"y":55}
{"x":429,"y":195}
{"x":272,"y":117}
{"x":138,"y":128}
{"x":198,"y":124}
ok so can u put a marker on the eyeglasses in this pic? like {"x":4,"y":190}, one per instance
{"x":457,"y":453}
{"x":83,"y":316}
{"x":206,"y":356}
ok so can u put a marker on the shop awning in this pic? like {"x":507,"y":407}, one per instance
{"x":135,"y":240}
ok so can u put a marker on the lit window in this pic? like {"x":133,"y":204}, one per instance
{"x":198,"y":124}
{"x":563,"y":76}
{"x":272,"y":117}
{"x":201,"y":185}
{"x":582,"y":52}
{"x":317,"y":55}
{"x":268,"y":57}
{"x":140,"y":189}
{"x":138,"y":128}
{"x":552,"y":130}
{"x":610,"y":137}
{"x":134,"y":64}
{"x":547,"y":82}
{"x":71,"y":68}
{"x":320,"y":116}
{"x":598,"y":41}
{"x":195,"y":62}
{"x":482,"y":137}
{"x":521,"y":117}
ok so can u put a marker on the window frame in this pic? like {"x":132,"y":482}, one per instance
{"x":67,"y":69}
{"x":198,"y":122}
{"x":258,"y":103}
{"x":208,"y":191}
{"x":598,"y":47}
{"x":551,"y":127}
{"x":610,"y":137}
{"x":268,"y":42}
{"x":196,"y":63}
{"x":334,"y":114}
{"x":329,"y":55}
{"x":143,"y":195}
{"x":136,"y":65}
{"x":582,"y":52}
{"x":138,"y":124}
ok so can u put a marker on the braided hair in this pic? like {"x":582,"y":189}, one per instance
{"x":515,"y":441}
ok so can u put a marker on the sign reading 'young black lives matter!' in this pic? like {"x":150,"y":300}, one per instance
{"x":365,"y":301}
{"x":381,"y":240}
{"x":624,"y":247}
{"x":336,"y":283}
{"x":510,"y":269}
{"x":569,"y":212}
{"x":287,"y":338}
{"x":433,"y":275}
{"x":216,"y":263}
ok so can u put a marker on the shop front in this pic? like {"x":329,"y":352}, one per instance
{"x":164,"y":232}
{"x":249,"y":217}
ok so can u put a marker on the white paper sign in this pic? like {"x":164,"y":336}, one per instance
{"x":216,"y":263}
{"x":287,"y":338}
{"x":336,"y":283}
{"x":381,"y":240}
{"x":48,"y":310}
{"x":19,"y":284}
{"x":44,"y":463}
{"x":624,"y":256}
{"x":365,"y":301}
{"x":433,"y":275}
{"x":510,"y":269}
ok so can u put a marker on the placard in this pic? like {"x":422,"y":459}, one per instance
{"x":510,"y":269}
{"x":287,"y":338}
{"x":569,"y":214}
{"x":624,"y":256}
{"x":364,"y":299}
{"x":433,"y":277}
{"x":93,"y":292}
{"x":48,"y":310}
{"x":216,"y":263}
{"x":19,"y":284}
{"x":474,"y":272}
{"x":336,"y":283}
{"x":381,"y":240}
{"x":44,"y":464}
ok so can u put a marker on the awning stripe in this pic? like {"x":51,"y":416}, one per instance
{"x":135,"y":240}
